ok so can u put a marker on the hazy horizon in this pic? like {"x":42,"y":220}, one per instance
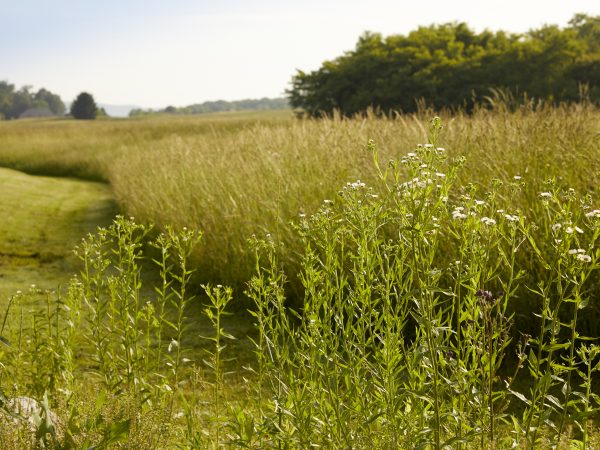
{"x":152,"y":54}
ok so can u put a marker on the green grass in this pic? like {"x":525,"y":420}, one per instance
{"x":407,"y":335}
{"x":43,"y":218}
{"x":375,"y":316}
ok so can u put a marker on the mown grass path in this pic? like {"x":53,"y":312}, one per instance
{"x":41,"y":221}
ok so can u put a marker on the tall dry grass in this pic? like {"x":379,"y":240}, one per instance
{"x":235,"y":176}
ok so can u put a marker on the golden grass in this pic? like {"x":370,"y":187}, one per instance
{"x":234,"y":175}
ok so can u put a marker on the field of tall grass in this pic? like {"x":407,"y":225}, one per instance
{"x":442,"y":295}
{"x":234,"y":176}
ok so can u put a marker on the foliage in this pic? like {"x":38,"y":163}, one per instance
{"x":452,"y":66}
{"x":15,"y":102}
{"x":398,"y":344}
{"x":84,"y":107}
{"x":262,"y":104}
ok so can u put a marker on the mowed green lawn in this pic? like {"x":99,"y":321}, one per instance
{"x":41,"y":221}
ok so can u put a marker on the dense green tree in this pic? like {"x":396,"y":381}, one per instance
{"x":6,"y":93}
{"x":52,"y":101}
{"x":452,"y":66}
{"x":84,"y":107}
{"x":13,"y":102}
{"x":22,"y":100}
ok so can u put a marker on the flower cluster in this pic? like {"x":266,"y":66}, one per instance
{"x":458,"y":213}
{"x":580,"y":254}
{"x":355,"y":185}
{"x":595,"y":214}
{"x":488,"y":221}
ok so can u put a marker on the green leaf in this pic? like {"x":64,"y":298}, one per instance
{"x":115,"y":433}
{"x":520,"y":396}
{"x":5,"y":341}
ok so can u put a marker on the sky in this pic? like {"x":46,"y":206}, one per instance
{"x":155,"y":53}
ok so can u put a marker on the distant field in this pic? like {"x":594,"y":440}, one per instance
{"x":233,"y":175}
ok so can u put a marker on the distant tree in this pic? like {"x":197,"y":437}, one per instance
{"x":6,"y":95}
{"x":261,"y":104}
{"x":84,"y":107}
{"x":52,"y":101}
{"x":14,"y":102}
{"x":22,"y":100}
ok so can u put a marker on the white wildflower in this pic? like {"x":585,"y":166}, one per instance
{"x":440,"y":175}
{"x":479,"y":202}
{"x":584,"y":258}
{"x":556,"y":227}
{"x":546,"y":194}
{"x":517,"y":177}
{"x":428,"y":146}
{"x":511,"y":218}
{"x":593,"y":214}
{"x":357,"y":184}
{"x":458,"y":215}
{"x":488,"y":221}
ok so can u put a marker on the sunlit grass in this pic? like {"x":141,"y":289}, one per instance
{"x":408,"y":334}
{"x":235,"y":175}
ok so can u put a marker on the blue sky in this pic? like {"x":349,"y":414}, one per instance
{"x":155,"y":53}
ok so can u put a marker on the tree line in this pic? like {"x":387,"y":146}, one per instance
{"x":261,"y":104}
{"x":452,"y":66}
{"x":15,"y":102}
